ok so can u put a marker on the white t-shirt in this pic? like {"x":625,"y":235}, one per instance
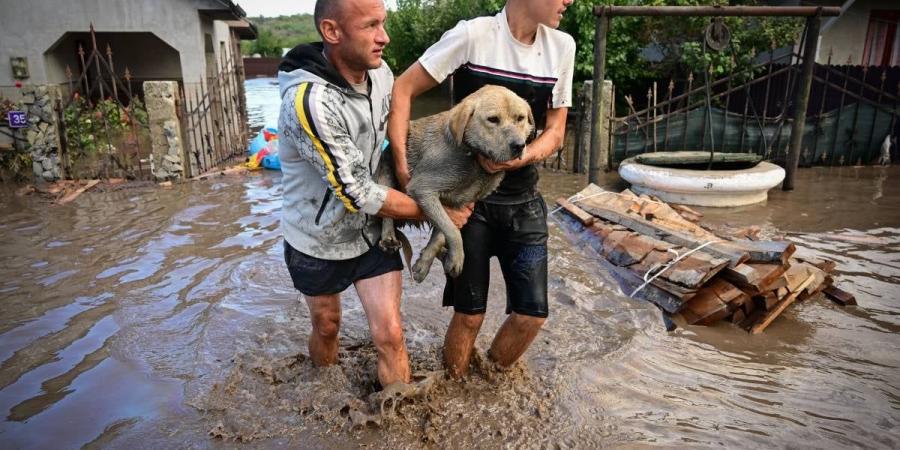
{"x":486,"y":48}
{"x":483,"y":51}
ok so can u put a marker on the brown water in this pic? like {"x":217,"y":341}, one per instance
{"x":156,"y":318}
{"x":148,"y":317}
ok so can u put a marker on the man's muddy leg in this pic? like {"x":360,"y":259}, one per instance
{"x":325,"y":314}
{"x":513,"y":338}
{"x":380,"y":297}
{"x":460,"y":342}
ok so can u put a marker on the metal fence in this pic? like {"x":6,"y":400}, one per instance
{"x":102,"y":123}
{"x":851,"y":109}
{"x":213,"y":116}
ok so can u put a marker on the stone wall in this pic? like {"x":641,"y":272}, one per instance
{"x":166,"y":159}
{"x":42,"y":133}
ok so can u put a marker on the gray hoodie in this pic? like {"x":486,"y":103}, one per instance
{"x":330,"y":144}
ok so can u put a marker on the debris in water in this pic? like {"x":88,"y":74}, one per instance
{"x":660,"y":253}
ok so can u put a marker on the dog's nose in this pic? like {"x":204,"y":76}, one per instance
{"x":516,"y":149}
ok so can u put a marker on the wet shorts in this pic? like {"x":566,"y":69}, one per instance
{"x":313,"y":276}
{"x":517,"y":236}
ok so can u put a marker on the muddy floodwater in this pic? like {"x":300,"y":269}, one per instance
{"x":145,"y":317}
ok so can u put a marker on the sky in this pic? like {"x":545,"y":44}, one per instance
{"x":270,"y":8}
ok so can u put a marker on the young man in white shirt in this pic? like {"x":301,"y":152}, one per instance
{"x":520,"y":49}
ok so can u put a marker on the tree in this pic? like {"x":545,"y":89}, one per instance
{"x":265,"y":44}
{"x":677,"y":39}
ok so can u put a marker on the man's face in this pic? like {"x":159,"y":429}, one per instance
{"x":362,"y":33}
{"x":549,"y":12}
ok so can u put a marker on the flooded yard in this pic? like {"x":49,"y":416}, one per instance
{"x":146,"y":317}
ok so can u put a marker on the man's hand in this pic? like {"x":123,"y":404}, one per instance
{"x":402,"y":174}
{"x":460,"y":216}
{"x":493,"y":167}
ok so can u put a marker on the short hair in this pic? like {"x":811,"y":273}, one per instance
{"x":325,"y":9}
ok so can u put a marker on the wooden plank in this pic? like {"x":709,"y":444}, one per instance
{"x":764,"y":251}
{"x":711,"y":303}
{"x":766,"y":301}
{"x":685,"y":209}
{"x":825,"y":265}
{"x":583,"y":216}
{"x":693,"y":271}
{"x":660,"y":213}
{"x":647,"y":228}
{"x":767,"y":319}
{"x":73,"y":195}
{"x":795,"y":275}
{"x":840,"y":296}
{"x":754,"y":278}
{"x":638,"y":252}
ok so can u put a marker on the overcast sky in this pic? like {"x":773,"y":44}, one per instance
{"x":269,"y":8}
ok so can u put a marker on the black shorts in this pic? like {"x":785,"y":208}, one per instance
{"x":517,"y":236}
{"x":313,"y":276}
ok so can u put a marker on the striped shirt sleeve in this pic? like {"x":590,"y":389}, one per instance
{"x":333,"y":151}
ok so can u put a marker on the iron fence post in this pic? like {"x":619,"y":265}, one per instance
{"x":802,"y":99}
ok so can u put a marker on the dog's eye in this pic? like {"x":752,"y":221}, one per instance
{"x":494,"y":119}
{"x":520,"y":118}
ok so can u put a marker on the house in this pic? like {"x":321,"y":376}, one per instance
{"x":866,"y":33}
{"x":188,"y":50}
{"x":156,"y":40}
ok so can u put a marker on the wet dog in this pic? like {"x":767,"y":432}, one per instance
{"x":441,"y":154}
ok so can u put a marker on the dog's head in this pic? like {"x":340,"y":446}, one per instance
{"x":494,"y":121}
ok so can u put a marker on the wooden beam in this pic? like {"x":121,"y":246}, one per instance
{"x":840,"y":296}
{"x":647,"y":228}
{"x":72,"y":196}
{"x":780,"y":307}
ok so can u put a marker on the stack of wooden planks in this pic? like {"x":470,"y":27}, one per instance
{"x":658,"y":252}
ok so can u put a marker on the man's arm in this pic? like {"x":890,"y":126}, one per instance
{"x":548,"y":143}
{"x":413,"y":82}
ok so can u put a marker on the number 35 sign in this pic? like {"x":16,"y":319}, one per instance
{"x":17,"y":119}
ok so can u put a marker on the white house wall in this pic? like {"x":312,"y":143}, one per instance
{"x":29,"y":28}
{"x":847,"y":35}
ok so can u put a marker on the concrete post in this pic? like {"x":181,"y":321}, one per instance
{"x":586,"y":125}
{"x":166,"y":158}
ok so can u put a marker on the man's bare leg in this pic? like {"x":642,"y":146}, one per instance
{"x":513,"y":338}
{"x":460,"y":341}
{"x":380,"y":298}
{"x":325,"y":314}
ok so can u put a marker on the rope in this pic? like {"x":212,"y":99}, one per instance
{"x":575,"y":198}
{"x":667,"y":266}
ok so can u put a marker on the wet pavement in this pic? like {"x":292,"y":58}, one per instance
{"x":145,"y":317}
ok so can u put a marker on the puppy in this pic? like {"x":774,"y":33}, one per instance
{"x":885,"y":158}
{"x":441,"y":154}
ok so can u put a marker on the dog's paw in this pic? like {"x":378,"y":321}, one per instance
{"x":389,"y":244}
{"x":453,"y":263}
{"x":420,"y":269}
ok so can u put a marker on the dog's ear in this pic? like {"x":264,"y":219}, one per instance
{"x":459,"y":119}
{"x":533,"y":132}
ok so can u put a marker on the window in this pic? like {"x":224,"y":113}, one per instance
{"x":883,"y":39}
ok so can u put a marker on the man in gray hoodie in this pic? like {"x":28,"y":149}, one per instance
{"x":335,"y":99}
